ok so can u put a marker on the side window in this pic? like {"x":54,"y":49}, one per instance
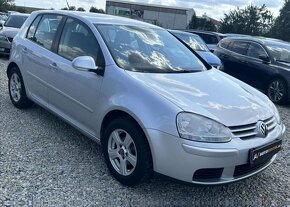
{"x":32,"y":28}
{"x":224,"y":44}
{"x":46,"y":30}
{"x":240,"y":47}
{"x":209,"y":39}
{"x":78,"y":40}
{"x":255,"y":51}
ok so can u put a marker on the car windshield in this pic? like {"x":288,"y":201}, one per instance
{"x":193,"y":41}
{"x":280,"y":52}
{"x":15,"y":21}
{"x":148,"y":50}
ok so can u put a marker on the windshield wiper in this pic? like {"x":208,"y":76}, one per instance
{"x":283,"y":61}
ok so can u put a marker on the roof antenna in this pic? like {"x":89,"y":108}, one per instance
{"x":67,"y":4}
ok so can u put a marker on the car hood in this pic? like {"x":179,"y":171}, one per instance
{"x":210,"y":58}
{"x":212,"y":94}
{"x":9,"y":31}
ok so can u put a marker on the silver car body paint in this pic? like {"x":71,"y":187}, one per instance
{"x":153,"y":100}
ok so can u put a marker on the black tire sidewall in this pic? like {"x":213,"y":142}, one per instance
{"x":143,"y":167}
{"x":284,"y":98}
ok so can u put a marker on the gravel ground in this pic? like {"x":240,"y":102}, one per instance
{"x":45,"y":162}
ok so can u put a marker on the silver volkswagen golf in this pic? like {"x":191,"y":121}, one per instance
{"x":151,"y":102}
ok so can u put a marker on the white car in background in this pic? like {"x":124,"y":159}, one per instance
{"x":9,"y":30}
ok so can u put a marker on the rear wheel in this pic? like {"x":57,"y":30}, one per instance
{"x":277,"y":91}
{"x":17,"y":90}
{"x":127,"y":153}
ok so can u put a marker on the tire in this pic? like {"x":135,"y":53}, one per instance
{"x":277,"y":91}
{"x":16,"y":90}
{"x":116,"y":139}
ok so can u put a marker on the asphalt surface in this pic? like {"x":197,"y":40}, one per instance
{"x":46,"y":162}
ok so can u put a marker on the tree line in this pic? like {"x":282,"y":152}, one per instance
{"x":251,"y":20}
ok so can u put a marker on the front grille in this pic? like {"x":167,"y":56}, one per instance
{"x":249,"y":131}
{"x":241,"y":170}
{"x":208,"y":173}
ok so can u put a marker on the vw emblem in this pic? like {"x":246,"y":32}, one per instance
{"x":262,"y":129}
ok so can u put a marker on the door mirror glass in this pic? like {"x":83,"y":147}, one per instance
{"x":85,"y":63}
{"x":264,"y":58}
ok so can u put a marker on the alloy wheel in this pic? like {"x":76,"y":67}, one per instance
{"x":15,"y":87}
{"x":122,"y":152}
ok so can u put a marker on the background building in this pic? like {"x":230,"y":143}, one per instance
{"x":164,"y":16}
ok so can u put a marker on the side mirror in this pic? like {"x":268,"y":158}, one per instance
{"x":264,"y":58}
{"x":86,"y":63}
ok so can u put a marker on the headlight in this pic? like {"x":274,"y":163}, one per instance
{"x":201,"y":129}
{"x":276,"y":114}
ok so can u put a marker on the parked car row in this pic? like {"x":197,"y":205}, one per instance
{"x":9,"y":30}
{"x":145,"y":96}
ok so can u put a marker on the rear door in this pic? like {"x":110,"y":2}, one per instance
{"x":37,"y":54}
{"x":235,"y":59}
{"x":74,"y":94}
{"x":257,"y":72}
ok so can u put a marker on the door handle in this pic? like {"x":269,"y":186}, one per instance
{"x":24,"y":50}
{"x":53,"y":66}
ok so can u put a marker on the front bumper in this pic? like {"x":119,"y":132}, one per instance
{"x":5,"y":47}
{"x":207,"y":163}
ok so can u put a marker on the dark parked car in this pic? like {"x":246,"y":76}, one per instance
{"x":198,"y":45}
{"x":261,"y":62}
{"x":210,"y":38}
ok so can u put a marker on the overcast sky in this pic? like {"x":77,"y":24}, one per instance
{"x":213,"y":8}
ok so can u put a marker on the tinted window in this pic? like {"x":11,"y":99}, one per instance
{"x":255,"y":51}
{"x":46,"y":30}
{"x":15,"y":21}
{"x":225,"y":44}
{"x":208,"y":38}
{"x":240,"y":47}
{"x":146,"y":49}
{"x":32,"y":28}
{"x":77,"y":40}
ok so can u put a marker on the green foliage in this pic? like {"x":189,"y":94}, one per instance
{"x":81,"y":9}
{"x":71,"y":8}
{"x":96,"y":10}
{"x":201,"y":24}
{"x":281,"y":28}
{"x":6,"y":5}
{"x":252,"y":20}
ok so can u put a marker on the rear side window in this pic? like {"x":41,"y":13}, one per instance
{"x":256,"y":50}
{"x":46,"y":30}
{"x":32,"y":28}
{"x":225,"y":44}
{"x":77,"y":40}
{"x":239,"y":47}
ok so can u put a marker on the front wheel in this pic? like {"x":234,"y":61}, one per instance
{"x":277,"y":91}
{"x":127,"y":153}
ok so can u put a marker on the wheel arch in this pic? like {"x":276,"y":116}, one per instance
{"x":116,"y":113}
{"x":10,"y":66}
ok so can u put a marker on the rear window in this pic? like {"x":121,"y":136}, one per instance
{"x":208,"y":38}
{"x":15,"y":21}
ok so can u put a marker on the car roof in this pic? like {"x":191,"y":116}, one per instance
{"x":205,"y":32}
{"x":261,"y":40}
{"x":19,"y":14}
{"x":182,"y":32}
{"x":97,"y":18}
